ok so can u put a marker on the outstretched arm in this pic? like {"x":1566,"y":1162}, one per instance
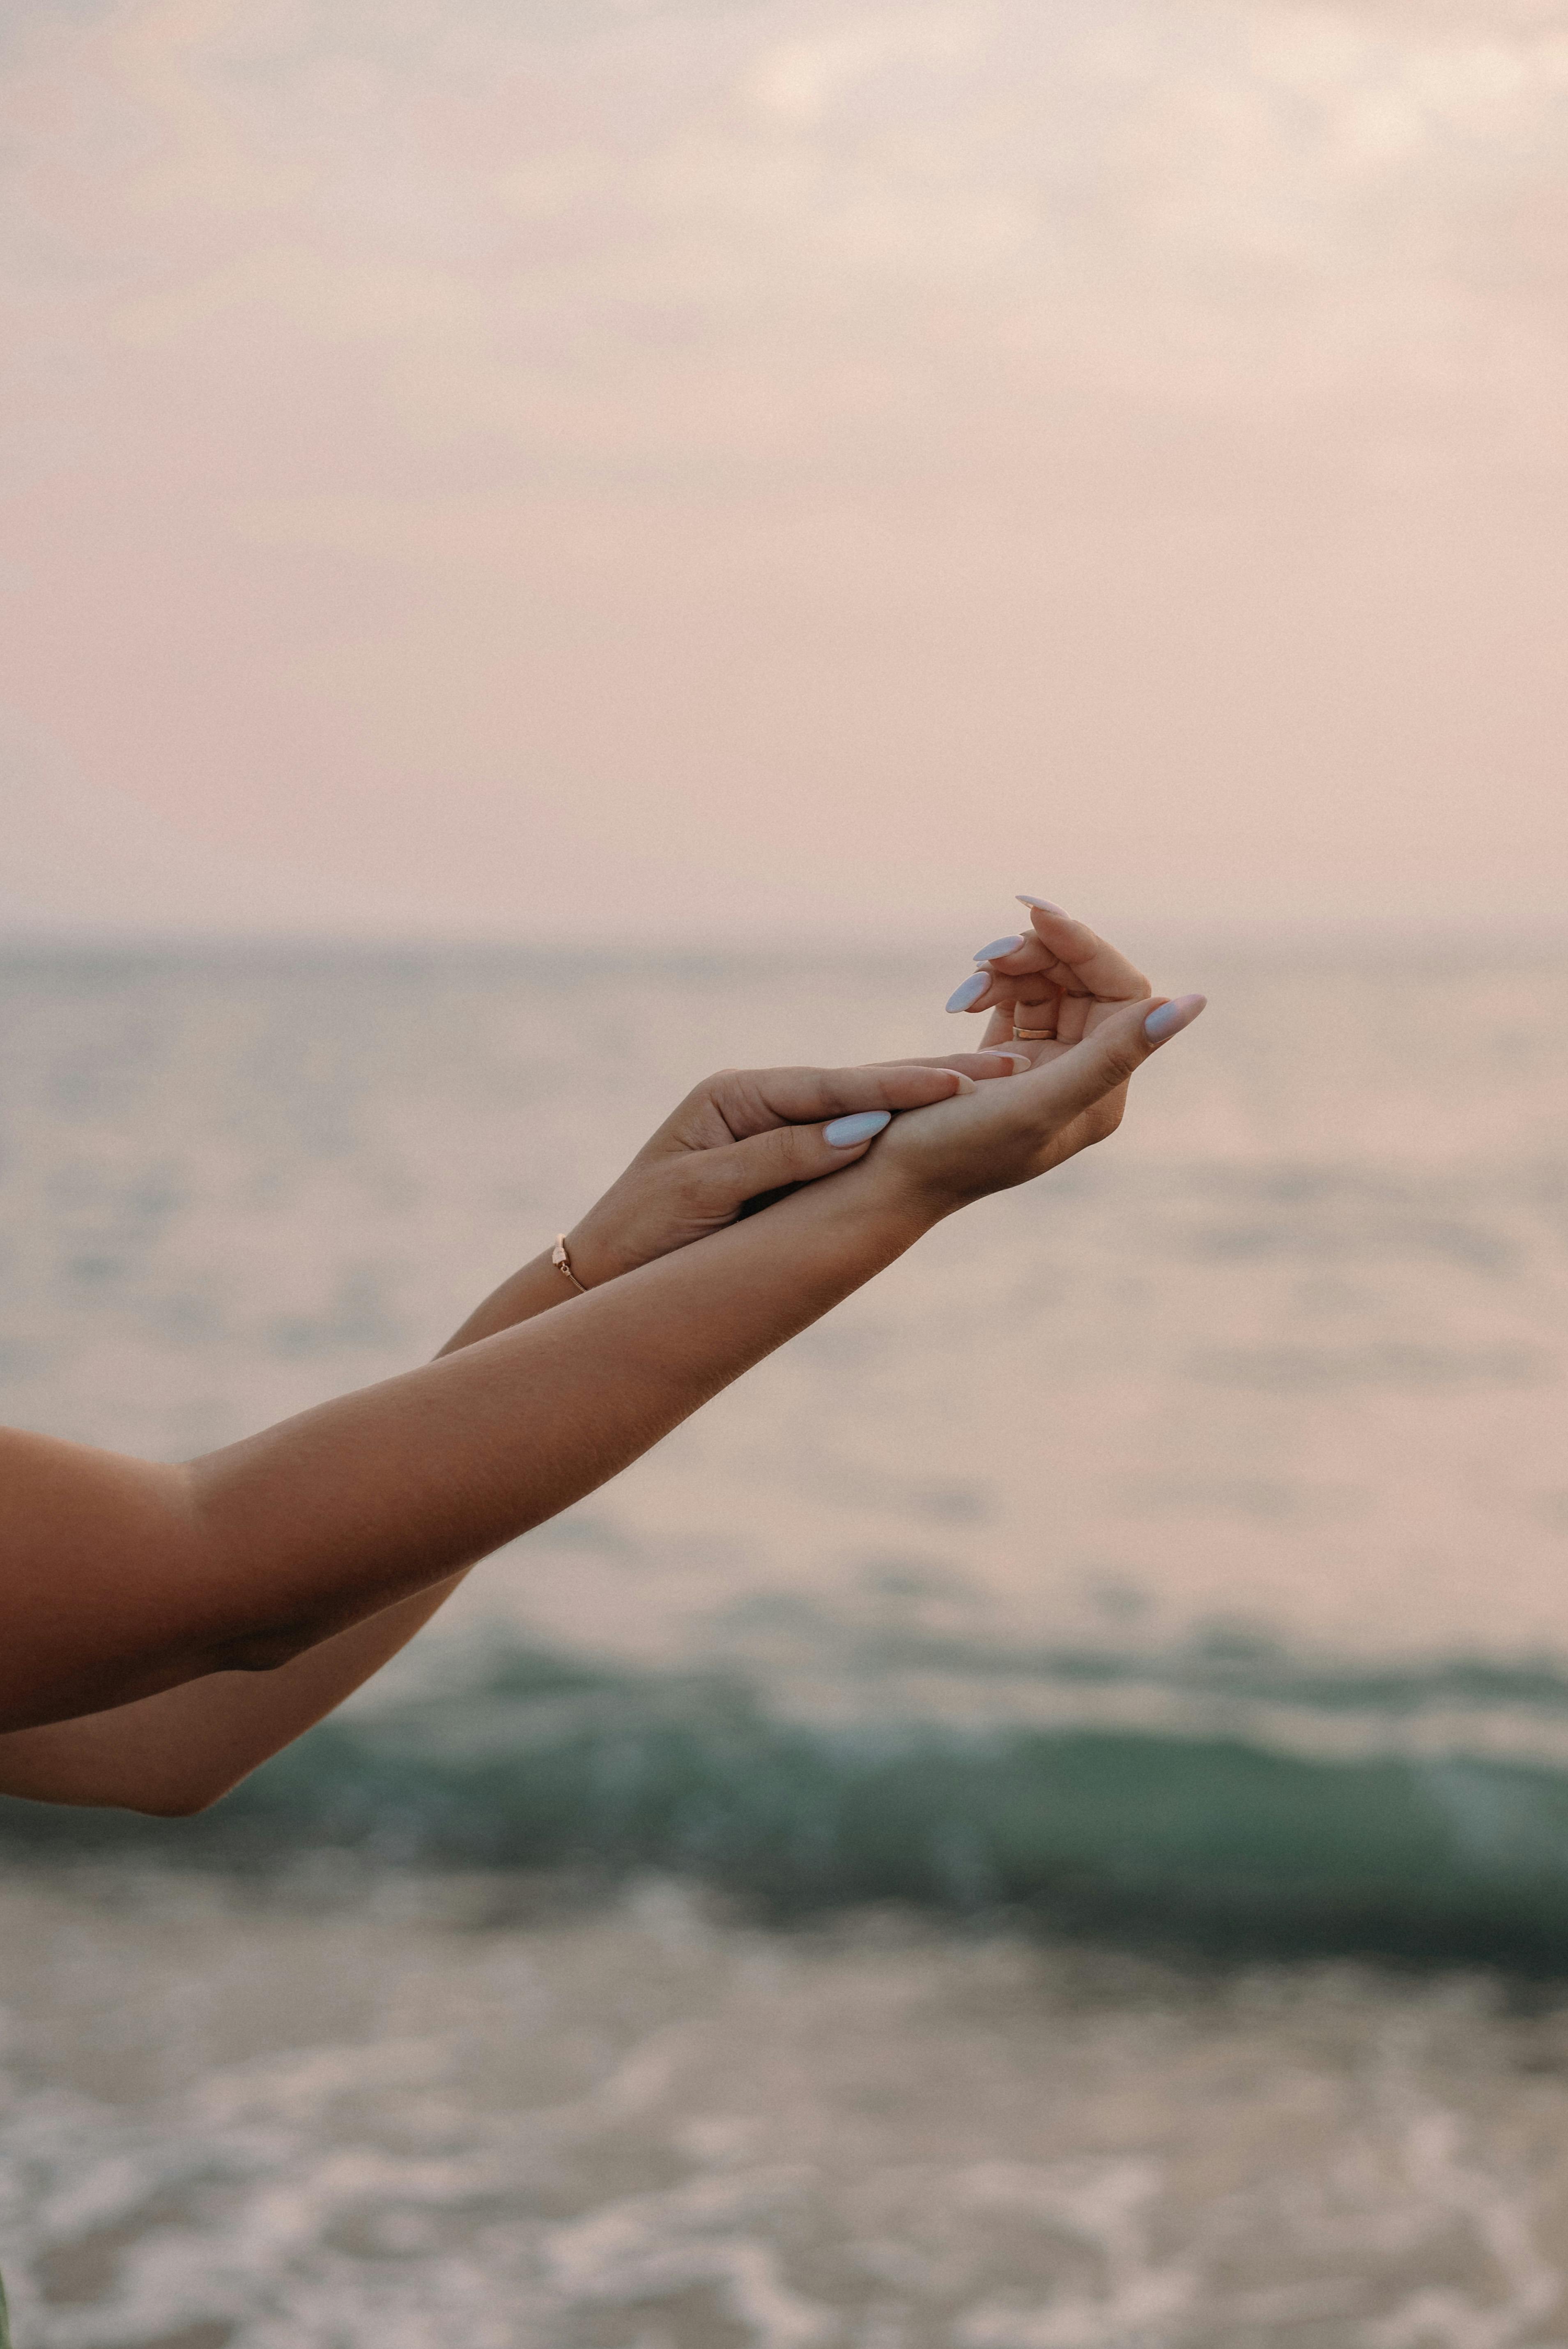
{"x":177,"y":1750}
{"x":122,"y":1580}
{"x":741,"y":1132}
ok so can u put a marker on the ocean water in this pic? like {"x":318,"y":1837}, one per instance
{"x":1039,"y":1818}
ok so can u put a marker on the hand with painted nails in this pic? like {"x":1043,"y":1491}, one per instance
{"x":1000,"y":1135}
{"x":1055,"y":980}
{"x":748,"y":1133}
{"x":1048,"y":986}
{"x":163,"y":1628}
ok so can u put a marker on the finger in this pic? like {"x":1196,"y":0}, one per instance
{"x":785,"y":1155}
{"x":1041,"y":1018}
{"x":1099,"y":967}
{"x":1072,"y":1018}
{"x":986,"y":991}
{"x":1032,"y":1001}
{"x":1037,"y":1008}
{"x":755,"y":1100}
{"x":1004,"y":989}
{"x":1067,"y":950}
{"x":979,"y":992}
{"x":1017,"y":958}
{"x":979,"y":1065}
{"x":1112,"y":1052}
{"x":998,"y":1030}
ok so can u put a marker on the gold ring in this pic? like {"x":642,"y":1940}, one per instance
{"x":1033,"y":1035}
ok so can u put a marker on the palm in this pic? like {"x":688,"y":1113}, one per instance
{"x":1067,"y":978}
{"x":1061,"y":978}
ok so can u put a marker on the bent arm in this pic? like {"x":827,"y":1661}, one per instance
{"x":176,"y":1752}
{"x":122,"y":1580}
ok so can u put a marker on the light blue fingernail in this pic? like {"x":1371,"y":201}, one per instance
{"x":998,"y":946}
{"x":969,"y":991}
{"x":1044,"y":903}
{"x":1171,"y":1017}
{"x":845,"y":1131}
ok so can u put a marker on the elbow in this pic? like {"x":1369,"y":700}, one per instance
{"x":155,"y":1798}
{"x":180,"y":1805}
{"x":177,"y":1799}
{"x":264,"y":1652}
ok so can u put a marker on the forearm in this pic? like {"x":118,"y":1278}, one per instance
{"x":367,"y":1498}
{"x":259,"y":1552}
{"x":533,"y":1289}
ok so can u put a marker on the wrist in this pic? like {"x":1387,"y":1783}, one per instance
{"x":532,"y":1289}
{"x":906,"y":1189}
{"x":889,"y":1193}
{"x":597,"y":1256}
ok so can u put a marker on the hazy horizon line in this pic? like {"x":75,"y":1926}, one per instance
{"x":1350,"y":934}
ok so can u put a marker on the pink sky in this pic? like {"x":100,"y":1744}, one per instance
{"x":509,"y":469}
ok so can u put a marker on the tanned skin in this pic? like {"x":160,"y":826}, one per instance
{"x":164,"y":1628}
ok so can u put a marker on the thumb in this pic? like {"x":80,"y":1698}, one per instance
{"x":792,"y":1153}
{"x":1109,"y":1054}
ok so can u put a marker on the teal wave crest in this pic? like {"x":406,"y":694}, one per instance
{"x":1213,"y":1844}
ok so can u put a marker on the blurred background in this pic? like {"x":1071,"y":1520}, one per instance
{"x":548,"y":550}
{"x":501,"y":469}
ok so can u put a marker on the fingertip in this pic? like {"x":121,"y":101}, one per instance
{"x":967,"y":996}
{"x":922,"y":1087}
{"x":861,"y":1125}
{"x":1169,"y":1019}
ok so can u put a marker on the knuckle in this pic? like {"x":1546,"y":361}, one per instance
{"x":1120,"y":1059}
{"x":694,"y":1188}
{"x":779,"y":1152}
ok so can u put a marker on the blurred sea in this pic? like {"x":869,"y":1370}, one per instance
{"x":1038,"y":1821}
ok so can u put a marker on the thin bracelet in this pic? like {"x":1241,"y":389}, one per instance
{"x":562,"y":1263}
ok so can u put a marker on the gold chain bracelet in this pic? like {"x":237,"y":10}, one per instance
{"x":562,"y":1263}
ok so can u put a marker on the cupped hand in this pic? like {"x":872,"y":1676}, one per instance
{"x":1047,"y":987}
{"x":1052,"y":980}
{"x":747,"y":1132}
{"x":998,"y":1136}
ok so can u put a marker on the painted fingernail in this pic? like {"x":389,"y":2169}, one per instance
{"x":846,"y":1130}
{"x":1016,"y":1060}
{"x":997,"y":947}
{"x":1045,"y":906}
{"x":969,"y":991}
{"x":1171,"y":1017}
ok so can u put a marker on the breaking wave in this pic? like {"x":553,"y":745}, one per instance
{"x":1254,"y":1809}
